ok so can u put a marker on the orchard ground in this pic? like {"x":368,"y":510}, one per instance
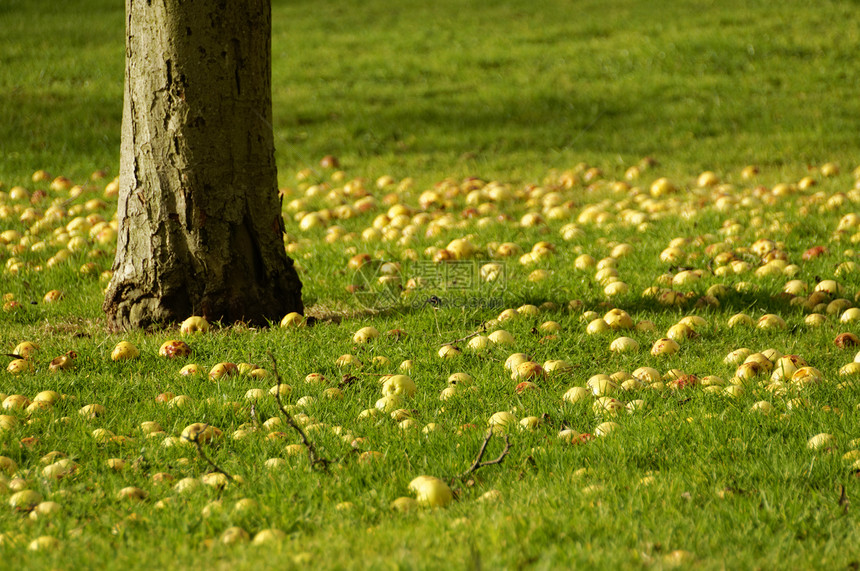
{"x":591,"y":183}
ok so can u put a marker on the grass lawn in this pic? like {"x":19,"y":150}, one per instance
{"x":591,"y":178}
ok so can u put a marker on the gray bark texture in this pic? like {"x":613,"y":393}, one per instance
{"x":200,"y":226}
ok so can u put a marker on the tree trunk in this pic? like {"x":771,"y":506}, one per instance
{"x":200,"y":226}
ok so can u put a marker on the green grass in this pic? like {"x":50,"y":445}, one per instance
{"x":501,"y":91}
{"x":512,"y":92}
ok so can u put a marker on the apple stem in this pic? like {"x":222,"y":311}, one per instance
{"x":312,"y":453}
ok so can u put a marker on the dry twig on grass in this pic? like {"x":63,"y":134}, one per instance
{"x":479,"y":463}
{"x":467,"y":337}
{"x":196,"y":442}
{"x":313,"y":457}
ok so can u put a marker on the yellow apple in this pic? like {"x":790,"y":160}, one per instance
{"x":501,"y":422}
{"x":665,"y":346}
{"x":365,"y":335}
{"x":576,"y":394}
{"x":200,"y":432}
{"x":18,"y":366}
{"x":514,"y":360}
{"x":234,"y":535}
{"x":194,"y":324}
{"x":399,"y":385}
{"x":270,"y":535}
{"x":821,"y":441}
{"x":174,"y":348}
{"x":25,"y":500}
{"x":431,"y":492}
{"x":501,"y":337}
{"x":26,"y":349}
{"x":293,"y":319}
{"x":448,"y":352}
{"x":222,"y":370}
{"x":124,"y":351}
{"x":624,"y":345}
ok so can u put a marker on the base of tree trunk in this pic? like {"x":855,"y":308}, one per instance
{"x":200,"y":229}
{"x":128,"y":306}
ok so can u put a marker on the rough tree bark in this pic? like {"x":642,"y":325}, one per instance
{"x":200,"y":226}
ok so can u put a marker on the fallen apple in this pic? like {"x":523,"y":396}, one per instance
{"x":665,"y":346}
{"x":18,"y":366}
{"x":528,"y":370}
{"x":624,"y":345}
{"x":365,"y":335}
{"x":501,"y":337}
{"x":222,"y":370}
{"x":607,"y":405}
{"x":448,"y":352}
{"x":234,"y":535}
{"x":821,"y":441}
{"x":431,"y":492}
{"x":399,"y":385}
{"x":577,"y":394}
{"x":404,"y":504}
{"x":25,"y":349}
{"x":606,"y":428}
{"x":200,"y":432}
{"x":25,"y":500}
{"x":92,"y":411}
{"x":502,"y":422}
{"x":266,"y":536}
{"x":124,"y":351}
{"x":174,"y":348}
{"x":194,"y":324}
{"x":15,"y":402}
{"x":44,"y":543}
{"x":293,"y":319}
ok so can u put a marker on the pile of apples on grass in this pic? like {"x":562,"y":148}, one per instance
{"x":736,"y":256}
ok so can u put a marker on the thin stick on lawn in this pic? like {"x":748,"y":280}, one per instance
{"x":199,"y":446}
{"x":312,"y":453}
{"x":461,"y":339}
{"x":478,"y":463}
